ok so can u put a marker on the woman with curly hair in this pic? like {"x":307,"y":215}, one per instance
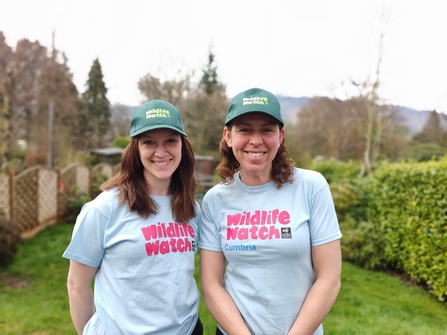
{"x":270,"y":240}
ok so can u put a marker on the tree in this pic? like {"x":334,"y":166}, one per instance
{"x":326,"y":127}
{"x":206,"y":112}
{"x":5,"y":110}
{"x":28,"y":77}
{"x":203,"y":106}
{"x":175,"y":91}
{"x":433,"y":131}
{"x":210,"y":83}
{"x":95,"y":116}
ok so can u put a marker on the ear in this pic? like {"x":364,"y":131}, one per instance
{"x":227,"y":136}
{"x":281,"y":135}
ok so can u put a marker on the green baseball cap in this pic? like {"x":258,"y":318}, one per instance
{"x":254,"y":100}
{"x":156,"y":114}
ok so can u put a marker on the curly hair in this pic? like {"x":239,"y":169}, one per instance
{"x":134,"y":189}
{"x":282,"y":165}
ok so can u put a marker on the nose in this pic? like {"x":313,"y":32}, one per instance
{"x":256,"y":139}
{"x":160,"y":151}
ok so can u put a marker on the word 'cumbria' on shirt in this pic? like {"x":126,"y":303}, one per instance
{"x":177,"y":233}
{"x":259,"y":217}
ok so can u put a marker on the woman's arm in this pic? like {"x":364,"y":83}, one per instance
{"x":326,"y":260}
{"x":217,"y":299}
{"x":80,"y":294}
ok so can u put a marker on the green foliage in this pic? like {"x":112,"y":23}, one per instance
{"x":362,"y":243}
{"x":76,"y":203}
{"x":335,"y":171}
{"x":98,"y":180}
{"x":121,"y":142}
{"x":209,"y":81}
{"x":433,"y":131}
{"x":400,"y":221}
{"x":424,"y":152}
{"x":9,"y":237}
{"x":96,"y":114}
{"x":80,"y":198}
{"x":409,"y":204}
{"x":345,"y":197}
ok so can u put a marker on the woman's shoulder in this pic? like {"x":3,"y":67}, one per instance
{"x":308,"y":176}
{"x":109,"y":198}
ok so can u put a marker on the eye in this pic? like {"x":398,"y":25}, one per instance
{"x":148,"y":142}
{"x":171,"y":141}
{"x":243,"y":130}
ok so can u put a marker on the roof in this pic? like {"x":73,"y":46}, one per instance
{"x":107,"y":151}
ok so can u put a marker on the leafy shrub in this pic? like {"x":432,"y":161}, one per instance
{"x":9,"y":237}
{"x":80,"y":198}
{"x":336,"y":171}
{"x":76,"y":203}
{"x":362,"y":244}
{"x":121,"y":142}
{"x":424,"y":152}
{"x":98,"y":179}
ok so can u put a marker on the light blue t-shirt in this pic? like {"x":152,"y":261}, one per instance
{"x":145,"y":281}
{"x":266,"y":235}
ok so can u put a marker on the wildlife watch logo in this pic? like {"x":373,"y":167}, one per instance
{"x":172,"y":237}
{"x":258,"y":225}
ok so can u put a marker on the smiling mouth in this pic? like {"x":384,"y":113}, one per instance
{"x":255,"y":154}
{"x":162,"y":163}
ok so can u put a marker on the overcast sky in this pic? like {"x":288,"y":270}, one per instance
{"x":295,"y":48}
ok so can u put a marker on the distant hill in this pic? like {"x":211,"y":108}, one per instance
{"x":411,"y":118}
{"x":290,"y":107}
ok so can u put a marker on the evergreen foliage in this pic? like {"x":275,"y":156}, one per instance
{"x":396,"y":219}
{"x":96,"y":112}
{"x":210,"y":83}
{"x":434,"y":131}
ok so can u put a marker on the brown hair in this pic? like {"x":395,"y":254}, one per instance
{"x":282,"y":165}
{"x":134,"y":190}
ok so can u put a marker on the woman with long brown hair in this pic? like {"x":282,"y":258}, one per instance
{"x":137,"y":239}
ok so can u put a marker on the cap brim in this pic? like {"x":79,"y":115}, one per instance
{"x":153,"y":127}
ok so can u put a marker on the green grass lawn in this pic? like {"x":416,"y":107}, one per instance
{"x":33,"y":298}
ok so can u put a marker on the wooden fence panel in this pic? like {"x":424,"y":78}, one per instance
{"x":5,"y":195}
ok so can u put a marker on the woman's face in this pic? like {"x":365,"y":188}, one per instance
{"x":160,"y":153}
{"x":255,"y":139}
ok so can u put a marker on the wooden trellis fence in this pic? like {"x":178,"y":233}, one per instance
{"x":39,"y":196}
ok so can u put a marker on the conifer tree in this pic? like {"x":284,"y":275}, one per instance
{"x":96,"y":112}
{"x":206,"y":112}
{"x":433,"y":131}
{"x":210,"y":82}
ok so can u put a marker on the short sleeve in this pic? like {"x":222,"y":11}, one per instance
{"x":209,"y":236}
{"x":323,"y":222}
{"x":87,"y":243}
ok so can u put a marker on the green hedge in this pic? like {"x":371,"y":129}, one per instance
{"x":397,"y":219}
{"x":409,"y":207}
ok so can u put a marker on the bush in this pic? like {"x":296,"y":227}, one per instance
{"x":80,"y":198}
{"x":362,"y":244}
{"x":76,"y":203}
{"x":121,"y":142}
{"x":424,"y":152}
{"x":336,"y":171}
{"x":9,"y":237}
